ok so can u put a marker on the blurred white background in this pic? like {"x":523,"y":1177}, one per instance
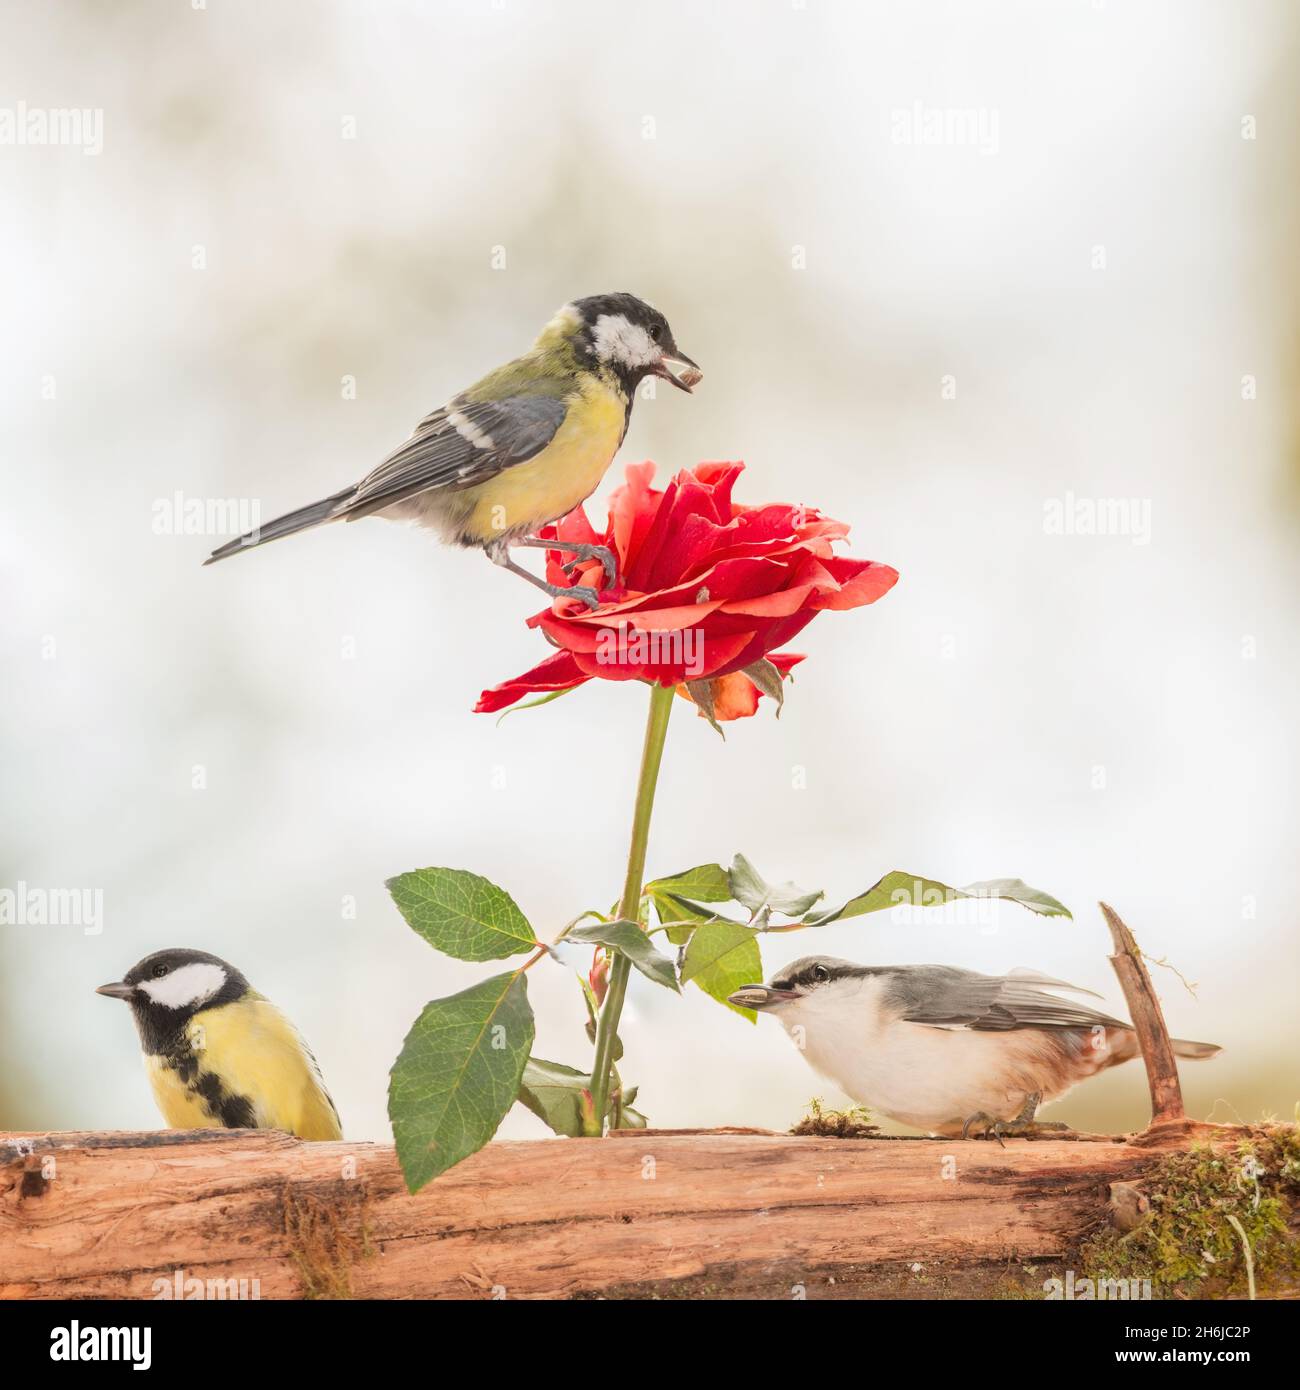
{"x":292,"y":194}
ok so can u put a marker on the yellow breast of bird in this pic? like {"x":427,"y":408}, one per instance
{"x":181,"y":1106}
{"x":247,"y":1050}
{"x":566,"y":472}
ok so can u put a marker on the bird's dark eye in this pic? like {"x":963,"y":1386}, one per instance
{"x":656,"y":332}
{"x":158,"y":971}
{"x":820,"y":974}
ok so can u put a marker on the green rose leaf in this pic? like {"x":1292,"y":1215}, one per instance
{"x":1016,"y":890}
{"x":630,"y":1119}
{"x":553,"y":1092}
{"x":684,"y":915}
{"x":749,"y":887}
{"x":897,"y":888}
{"x":722,"y":956}
{"x":676,"y":919}
{"x":457,"y":1074}
{"x":894,"y":889}
{"x":706,"y":882}
{"x":462,"y":914}
{"x":628,"y":938}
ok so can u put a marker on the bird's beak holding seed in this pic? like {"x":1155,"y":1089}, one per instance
{"x":675,"y":366}
{"x":117,"y":990}
{"x":761,"y":997}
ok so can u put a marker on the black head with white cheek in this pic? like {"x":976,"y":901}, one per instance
{"x":167,"y":988}
{"x":632,"y":339}
{"x":799,"y":982}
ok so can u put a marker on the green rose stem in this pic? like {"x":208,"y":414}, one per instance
{"x":656,"y":728}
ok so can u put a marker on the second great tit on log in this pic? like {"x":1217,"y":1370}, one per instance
{"x":944,"y":1049}
{"x":217,"y":1054}
{"x":520,"y":448}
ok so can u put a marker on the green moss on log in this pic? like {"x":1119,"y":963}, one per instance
{"x":1188,"y":1247}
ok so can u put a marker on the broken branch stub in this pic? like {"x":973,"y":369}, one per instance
{"x":1148,"y":1021}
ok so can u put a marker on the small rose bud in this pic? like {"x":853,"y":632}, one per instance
{"x":587,"y":1107}
{"x":598,"y":979}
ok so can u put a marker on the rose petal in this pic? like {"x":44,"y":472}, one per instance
{"x":861,"y":581}
{"x":734,"y":697}
{"x":785,"y":662}
{"x":558,"y":672}
{"x":631,"y":512}
{"x":707,"y":587}
{"x":721,"y":478}
{"x":770,"y":635}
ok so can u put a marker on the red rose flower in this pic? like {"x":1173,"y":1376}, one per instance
{"x":707,"y":592}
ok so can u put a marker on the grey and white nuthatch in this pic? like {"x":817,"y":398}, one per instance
{"x":944,"y":1049}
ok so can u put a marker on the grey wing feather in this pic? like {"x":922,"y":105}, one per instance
{"x":1036,"y":977}
{"x":947,"y":997}
{"x":458,"y":446}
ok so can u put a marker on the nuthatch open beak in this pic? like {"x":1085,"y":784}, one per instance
{"x":117,"y":990}
{"x":761,"y":997}
{"x":675,"y":366}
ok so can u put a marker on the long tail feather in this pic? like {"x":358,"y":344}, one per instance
{"x":1122,"y":1046}
{"x":311,"y":515}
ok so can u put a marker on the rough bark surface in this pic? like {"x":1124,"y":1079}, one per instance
{"x":110,"y":1214}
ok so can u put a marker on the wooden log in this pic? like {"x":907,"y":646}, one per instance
{"x":120,"y":1214}
{"x":1148,"y":1022}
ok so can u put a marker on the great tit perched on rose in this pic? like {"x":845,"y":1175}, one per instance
{"x":520,"y":448}
{"x":219,"y":1055}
